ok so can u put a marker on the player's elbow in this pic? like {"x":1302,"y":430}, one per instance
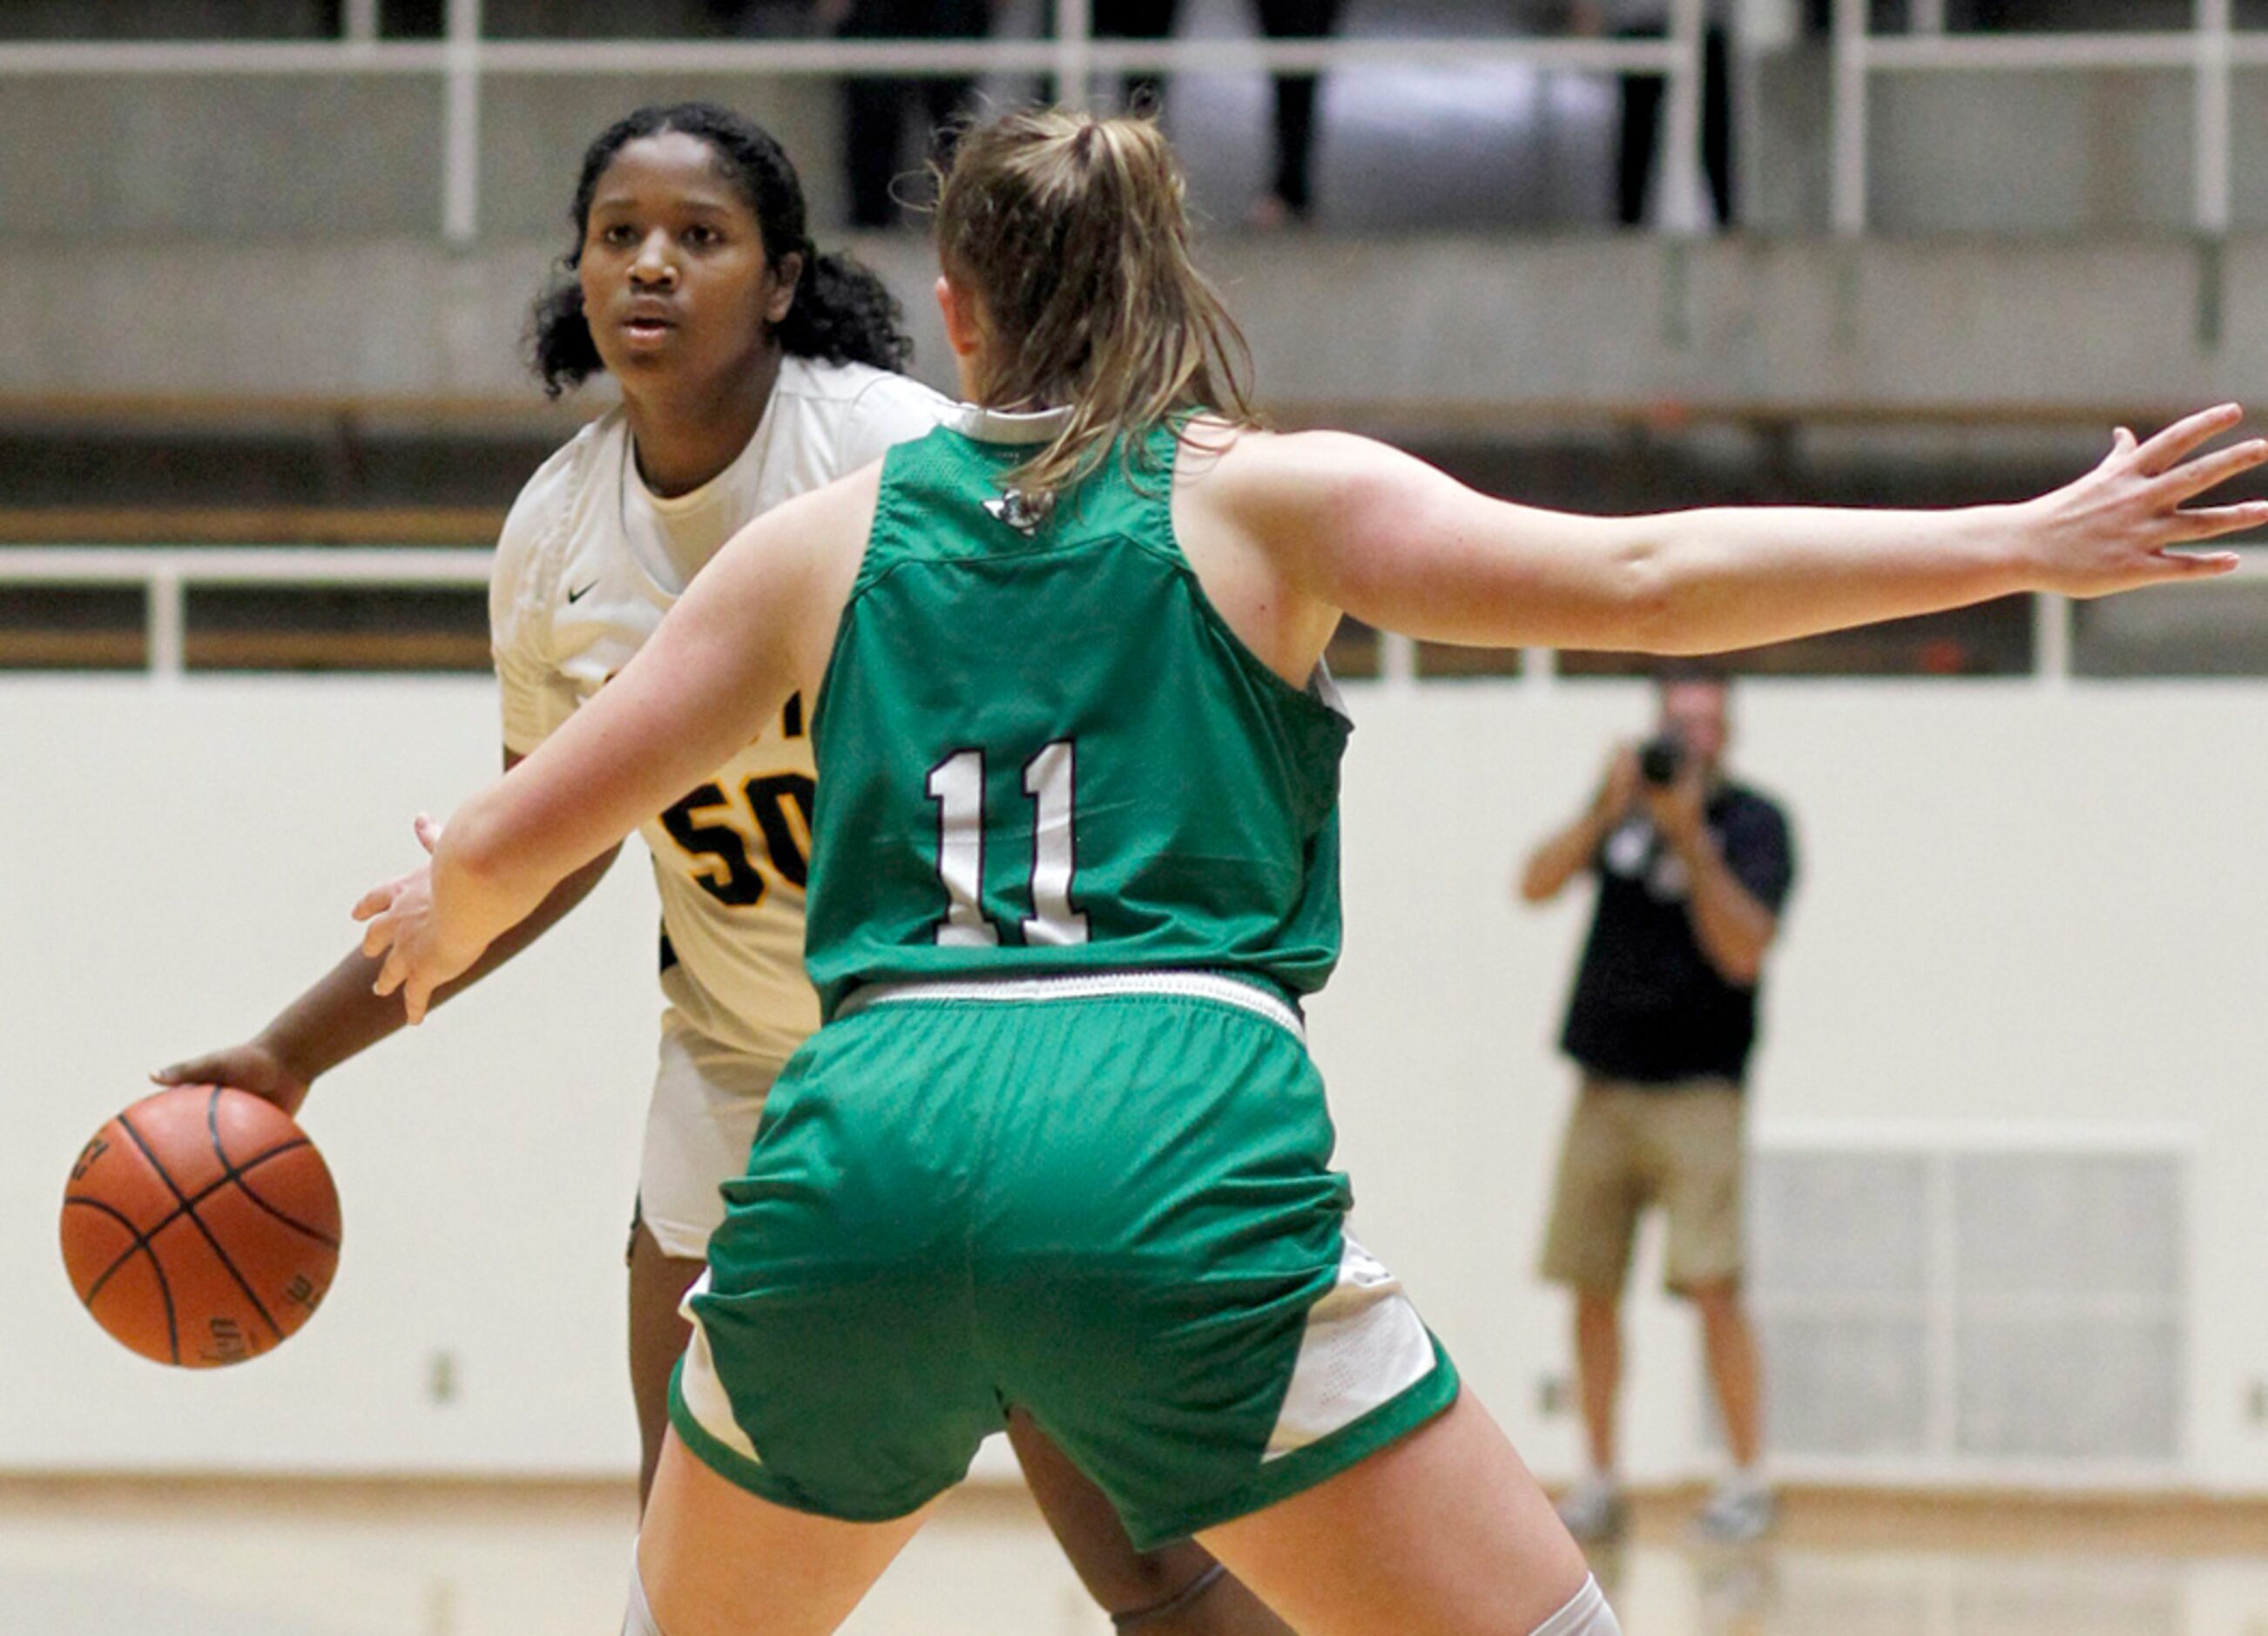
{"x":1643,"y":585}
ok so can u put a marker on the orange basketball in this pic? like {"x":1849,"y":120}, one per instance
{"x":200,"y":1226}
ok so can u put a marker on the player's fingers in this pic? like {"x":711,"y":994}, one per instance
{"x":377,"y":937}
{"x":2207,"y":471}
{"x":376,"y":901}
{"x":222,"y":1069}
{"x":2195,"y":564}
{"x":428,"y":833}
{"x":416,"y":995}
{"x":2185,"y":434}
{"x":2210,"y":522}
{"x":391,"y":974}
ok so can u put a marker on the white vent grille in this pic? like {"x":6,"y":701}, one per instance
{"x":1996,"y":1304}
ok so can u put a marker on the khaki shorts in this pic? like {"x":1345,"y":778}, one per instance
{"x":1628,"y":1146}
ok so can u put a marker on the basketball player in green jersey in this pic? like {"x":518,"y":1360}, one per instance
{"x":1058,"y":1144}
{"x":751,"y":368}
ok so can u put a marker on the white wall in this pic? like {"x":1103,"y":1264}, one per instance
{"x":177,"y":863}
{"x":2018,"y":903}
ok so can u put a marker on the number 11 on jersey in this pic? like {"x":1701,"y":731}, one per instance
{"x":957,"y":785}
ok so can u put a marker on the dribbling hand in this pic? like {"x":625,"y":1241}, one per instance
{"x":252,"y":1066}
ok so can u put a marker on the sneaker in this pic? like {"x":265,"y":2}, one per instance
{"x":1740,"y":1510}
{"x":1592,"y":1510}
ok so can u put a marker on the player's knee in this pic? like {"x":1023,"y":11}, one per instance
{"x":1132,"y":1582}
{"x":1186,"y":1590}
{"x":1586,"y":1614}
{"x":640,"y":1620}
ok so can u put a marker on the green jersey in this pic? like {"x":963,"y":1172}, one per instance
{"x":1042,"y":750}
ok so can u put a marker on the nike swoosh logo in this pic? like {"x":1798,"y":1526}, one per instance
{"x":576,"y":596}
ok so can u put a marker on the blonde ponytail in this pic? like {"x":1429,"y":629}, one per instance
{"x":1072,"y":233}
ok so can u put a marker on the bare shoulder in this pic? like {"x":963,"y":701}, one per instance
{"x":1255,"y":464}
{"x":1291,"y":483}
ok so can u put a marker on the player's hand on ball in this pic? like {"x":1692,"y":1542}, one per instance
{"x":2111,"y":530}
{"x":252,"y":1066}
{"x":405,"y":924}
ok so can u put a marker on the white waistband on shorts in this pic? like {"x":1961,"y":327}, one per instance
{"x":1087,"y":985}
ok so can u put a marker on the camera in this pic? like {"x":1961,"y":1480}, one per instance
{"x":1660,"y":758}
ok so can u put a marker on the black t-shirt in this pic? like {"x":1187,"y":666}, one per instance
{"x":1648,"y":1007}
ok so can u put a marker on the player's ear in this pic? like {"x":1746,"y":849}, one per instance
{"x":960,"y":326}
{"x":786,"y":276}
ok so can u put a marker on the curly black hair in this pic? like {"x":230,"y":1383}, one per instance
{"x":841,"y":312}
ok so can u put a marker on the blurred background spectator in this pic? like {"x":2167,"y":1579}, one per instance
{"x":1639,"y":139}
{"x":895,"y":128}
{"x":1290,"y":193}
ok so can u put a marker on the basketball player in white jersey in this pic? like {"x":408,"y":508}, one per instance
{"x":752,"y":370}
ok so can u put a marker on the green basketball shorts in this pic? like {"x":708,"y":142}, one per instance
{"x":1107,"y":1200}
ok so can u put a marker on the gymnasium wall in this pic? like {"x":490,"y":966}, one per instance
{"x":2023,"y":908}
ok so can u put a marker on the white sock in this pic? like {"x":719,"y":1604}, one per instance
{"x":639,"y":1622}
{"x":1586,"y":1614}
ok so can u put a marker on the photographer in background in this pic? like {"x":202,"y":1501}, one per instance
{"x":1693,"y":871}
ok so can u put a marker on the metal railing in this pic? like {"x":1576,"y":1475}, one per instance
{"x":2210,"y":51}
{"x":1070,"y":61}
{"x":166,"y":573}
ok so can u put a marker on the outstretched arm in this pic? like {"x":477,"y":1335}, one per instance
{"x":1364,"y":528}
{"x":755,"y":626}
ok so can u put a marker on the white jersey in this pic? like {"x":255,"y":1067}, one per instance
{"x":589,"y":563}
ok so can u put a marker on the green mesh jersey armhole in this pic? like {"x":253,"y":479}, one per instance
{"x":892,"y":524}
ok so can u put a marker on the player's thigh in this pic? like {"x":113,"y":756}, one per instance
{"x":658,"y":1334}
{"x":1598,"y":1191}
{"x":1700,"y":1137}
{"x":658,"y":1287}
{"x":1443,"y":1531}
{"x":717,"y":1560}
{"x":1085,"y":1523}
{"x":707,"y":1102}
